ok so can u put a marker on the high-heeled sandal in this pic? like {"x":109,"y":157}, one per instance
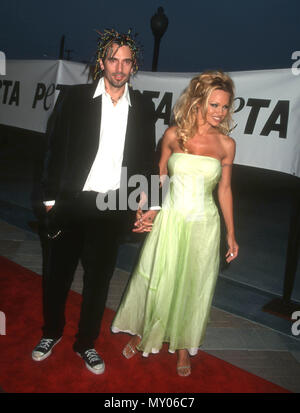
{"x":184,"y":371}
{"x":129,"y":350}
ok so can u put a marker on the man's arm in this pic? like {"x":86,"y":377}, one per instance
{"x":57,"y":137}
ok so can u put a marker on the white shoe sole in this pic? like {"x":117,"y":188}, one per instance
{"x":93,"y":370}
{"x":37,"y":357}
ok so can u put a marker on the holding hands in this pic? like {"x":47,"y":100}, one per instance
{"x":144,"y":220}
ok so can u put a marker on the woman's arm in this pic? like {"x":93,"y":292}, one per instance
{"x":145,"y":220}
{"x":167,"y":146}
{"x":225,"y":199}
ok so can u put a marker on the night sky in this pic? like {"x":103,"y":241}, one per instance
{"x":230,"y":35}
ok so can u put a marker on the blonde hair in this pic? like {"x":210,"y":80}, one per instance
{"x":196,"y":96}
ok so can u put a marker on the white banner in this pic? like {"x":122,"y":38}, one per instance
{"x":30,"y":87}
{"x":267,"y":106}
{"x":267,"y":114}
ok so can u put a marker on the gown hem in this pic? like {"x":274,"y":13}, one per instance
{"x":192,"y":351}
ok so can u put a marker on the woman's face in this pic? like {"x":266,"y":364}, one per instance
{"x":217,"y":107}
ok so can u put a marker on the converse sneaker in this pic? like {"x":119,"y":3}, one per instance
{"x":44,"y":349}
{"x":93,"y":361}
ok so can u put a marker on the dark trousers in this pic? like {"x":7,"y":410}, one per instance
{"x":92,"y":237}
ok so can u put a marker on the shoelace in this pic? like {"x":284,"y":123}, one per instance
{"x":46,"y":343}
{"x":92,"y":355}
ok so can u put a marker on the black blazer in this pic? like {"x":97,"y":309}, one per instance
{"x":73,"y":133}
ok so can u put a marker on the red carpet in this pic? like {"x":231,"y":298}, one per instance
{"x":64,"y":371}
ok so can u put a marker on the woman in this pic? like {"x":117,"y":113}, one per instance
{"x":170,"y":293}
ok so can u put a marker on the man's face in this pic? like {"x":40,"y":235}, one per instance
{"x":117,"y":66}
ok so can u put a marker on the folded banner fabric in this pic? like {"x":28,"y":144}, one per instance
{"x":267,"y":105}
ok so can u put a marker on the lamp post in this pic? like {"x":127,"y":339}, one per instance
{"x":62,"y":47}
{"x":159,"y":24}
{"x":69,"y":51}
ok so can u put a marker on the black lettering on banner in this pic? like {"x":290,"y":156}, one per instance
{"x":280,"y":111}
{"x":49,"y":92}
{"x":241,"y":104}
{"x":39,"y":93}
{"x":164,"y":107}
{"x":14,"y":95}
{"x":61,"y":87}
{"x":256,"y":104}
{"x":165,"y":103}
{"x":151,"y":94}
{"x":42,"y":93}
{"x":6,"y":84}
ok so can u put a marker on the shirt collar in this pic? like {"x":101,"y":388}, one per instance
{"x":100,"y":89}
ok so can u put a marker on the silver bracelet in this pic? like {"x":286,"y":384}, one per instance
{"x":54,"y":236}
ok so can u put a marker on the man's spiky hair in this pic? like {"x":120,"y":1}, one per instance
{"x":106,"y":40}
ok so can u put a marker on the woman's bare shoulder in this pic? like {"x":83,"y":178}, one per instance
{"x":171,"y":132}
{"x":229,"y":145}
{"x":228,"y":142}
{"x":170,"y":135}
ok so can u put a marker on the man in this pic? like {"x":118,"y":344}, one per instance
{"x":101,"y":135}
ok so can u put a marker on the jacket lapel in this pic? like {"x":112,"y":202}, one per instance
{"x":129,"y":130}
{"x":92,"y":126}
{"x":94,"y":120}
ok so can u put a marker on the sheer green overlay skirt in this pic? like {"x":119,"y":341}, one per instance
{"x":168,"y":298}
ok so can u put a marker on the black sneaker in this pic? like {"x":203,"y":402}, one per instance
{"x":93,"y":361}
{"x":44,"y":348}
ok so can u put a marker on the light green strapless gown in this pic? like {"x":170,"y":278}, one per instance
{"x":169,"y":296}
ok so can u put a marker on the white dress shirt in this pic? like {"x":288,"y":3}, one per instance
{"x":105,"y":173}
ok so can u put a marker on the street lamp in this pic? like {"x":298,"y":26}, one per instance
{"x":159,"y":24}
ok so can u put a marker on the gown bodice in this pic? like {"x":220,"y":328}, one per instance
{"x":192,"y":179}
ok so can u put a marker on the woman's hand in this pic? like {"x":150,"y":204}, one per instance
{"x":233,"y":249}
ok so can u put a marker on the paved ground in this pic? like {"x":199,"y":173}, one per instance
{"x":248,"y":345}
{"x":239,"y":331}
